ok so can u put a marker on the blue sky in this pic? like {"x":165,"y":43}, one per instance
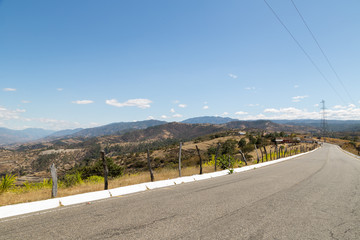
{"x":68,"y":64}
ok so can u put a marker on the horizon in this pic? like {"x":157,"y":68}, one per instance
{"x":177,"y":122}
{"x":83,"y":64}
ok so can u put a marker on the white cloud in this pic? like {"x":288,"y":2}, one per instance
{"x":225,"y":113}
{"x":177,"y":115}
{"x":250,"y":88}
{"x":233,"y":76}
{"x":25,"y":101}
{"x":296,"y":86}
{"x":241,"y":113}
{"x":150,"y":118}
{"x":140,"y":103}
{"x":316,"y":105}
{"x":6,"y":114}
{"x":60,"y":89}
{"x":298,"y":98}
{"x":182,"y":105}
{"x":271,"y":110}
{"x":253,"y":105}
{"x":206,"y":107}
{"x":9,"y":89}
{"x":172,"y":110}
{"x":83,"y":101}
{"x":164,"y":117}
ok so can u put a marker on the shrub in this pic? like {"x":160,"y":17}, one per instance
{"x":95,"y":179}
{"x":7,"y":182}
{"x":226,"y":162}
{"x":72,"y":179}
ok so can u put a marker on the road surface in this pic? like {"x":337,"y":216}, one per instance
{"x":316,"y":196}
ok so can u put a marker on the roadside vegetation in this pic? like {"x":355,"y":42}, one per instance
{"x":127,"y":164}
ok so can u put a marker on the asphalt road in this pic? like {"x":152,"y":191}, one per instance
{"x":316,"y":196}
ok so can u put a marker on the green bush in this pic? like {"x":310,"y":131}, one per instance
{"x":72,"y":179}
{"x":226,"y":162}
{"x":7,"y":182}
{"x":95,"y":179}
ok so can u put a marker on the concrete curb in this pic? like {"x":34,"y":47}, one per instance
{"x":24,"y":208}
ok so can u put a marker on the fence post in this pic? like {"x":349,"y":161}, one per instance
{"x":243,"y":156}
{"x":199,"y":158}
{"x":266,"y":157}
{"x":149,"y":165}
{"x":54,"y":180}
{"x":106,"y":170}
{"x":216,"y":155}
{"x":257,"y":154}
{"x":180,"y":159}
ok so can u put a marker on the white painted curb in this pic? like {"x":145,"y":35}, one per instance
{"x":159,"y":184}
{"x":84,"y":197}
{"x":23,"y":208}
{"x":128,"y":189}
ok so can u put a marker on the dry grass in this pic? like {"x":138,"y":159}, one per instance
{"x":21,"y":196}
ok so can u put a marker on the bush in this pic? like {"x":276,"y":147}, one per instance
{"x":226,"y":162}
{"x":95,"y":179}
{"x":72,"y":179}
{"x":7,"y":182}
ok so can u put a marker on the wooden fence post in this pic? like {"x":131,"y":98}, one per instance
{"x":257,"y":154}
{"x":243,"y":156}
{"x":216,"y":155}
{"x":180,"y":146}
{"x":106,"y":170}
{"x":54,"y":180}
{"x":199,"y":159}
{"x":149,"y":165}
{"x":266,"y":156}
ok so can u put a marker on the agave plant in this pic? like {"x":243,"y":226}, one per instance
{"x":7,"y":182}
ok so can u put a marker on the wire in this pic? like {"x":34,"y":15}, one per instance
{"x":322,"y":51}
{"x":303,"y":50}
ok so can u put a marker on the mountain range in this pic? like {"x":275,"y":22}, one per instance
{"x":8,"y":136}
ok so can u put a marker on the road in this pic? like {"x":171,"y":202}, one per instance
{"x":315,"y":196}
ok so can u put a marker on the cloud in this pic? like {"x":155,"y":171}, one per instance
{"x":25,"y":101}
{"x":164,"y":117}
{"x":233,"y":76}
{"x":140,"y":103}
{"x":172,"y":110}
{"x":182,"y":105}
{"x":83,"y":101}
{"x":225,"y":113}
{"x":253,"y":105}
{"x":6,"y":114}
{"x":177,"y":116}
{"x":150,"y":118}
{"x":60,"y":89}
{"x":9,"y":89}
{"x":298,"y":98}
{"x":250,"y":88}
{"x":296,"y":86}
{"x":206,"y":107}
{"x":241,"y":113}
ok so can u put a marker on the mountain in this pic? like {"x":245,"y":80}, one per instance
{"x":9,"y":136}
{"x":63,"y":133}
{"x":172,"y":130}
{"x":210,"y":120}
{"x":333,"y":125}
{"x":116,"y":128}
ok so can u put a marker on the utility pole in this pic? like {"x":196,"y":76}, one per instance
{"x":323,"y":120}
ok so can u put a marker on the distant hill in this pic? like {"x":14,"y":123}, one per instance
{"x":116,"y":128}
{"x":210,"y":120}
{"x":63,"y":133}
{"x":9,"y":136}
{"x":269,"y":126}
{"x":333,"y":125}
{"x":172,"y":130}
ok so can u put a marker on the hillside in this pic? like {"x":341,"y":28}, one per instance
{"x":116,"y":128}
{"x":209,"y":119}
{"x":9,"y":136}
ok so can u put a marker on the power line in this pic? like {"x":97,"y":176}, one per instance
{"x":323,"y":52}
{"x":303,"y":50}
